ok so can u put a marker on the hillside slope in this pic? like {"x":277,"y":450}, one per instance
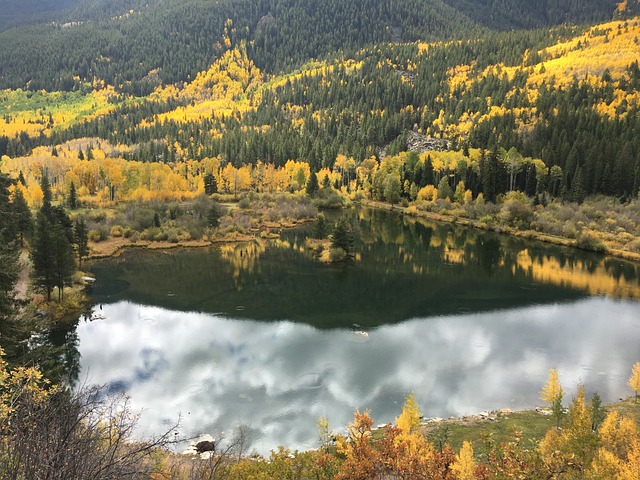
{"x":122,"y":42}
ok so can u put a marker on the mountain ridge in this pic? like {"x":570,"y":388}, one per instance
{"x":121,"y":43}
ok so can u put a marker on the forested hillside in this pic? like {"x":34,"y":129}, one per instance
{"x":560,"y":96}
{"x":133,"y":45}
{"x":551,"y":113}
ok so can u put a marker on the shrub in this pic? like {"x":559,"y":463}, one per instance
{"x":161,"y":236}
{"x":150,"y":233}
{"x":98,"y":217}
{"x":569,"y":230}
{"x":588,"y":241}
{"x":634,"y":246}
{"x":337,"y":255}
{"x":173,"y":236}
{"x":517,"y":213}
{"x":116,"y":231}
{"x":98,"y":235}
{"x":328,"y":198}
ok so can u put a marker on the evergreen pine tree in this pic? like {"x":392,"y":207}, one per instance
{"x":42,"y":254}
{"x":24,"y":220}
{"x":81,"y":239}
{"x":64,"y":260}
{"x":427,"y":176}
{"x":52,"y":250}
{"x":73,"y":196}
{"x":312,"y":186}
{"x":577,"y":188}
{"x":531,"y":184}
{"x":320,"y":227}
{"x":342,"y":236}
{"x":9,"y":254}
{"x":210,"y":185}
{"x":213,"y":215}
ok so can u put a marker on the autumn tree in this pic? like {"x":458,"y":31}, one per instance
{"x":464,"y":466}
{"x":618,"y":454}
{"x":44,"y":428}
{"x":324,"y":433}
{"x":361,"y":458}
{"x":510,"y":459}
{"x":634,"y":380}
{"x":572,"y":449}
{"x":409,"y":419}
{"x":552,"y":394}
{"x":392,"y":189}
{"x":411,"y":455}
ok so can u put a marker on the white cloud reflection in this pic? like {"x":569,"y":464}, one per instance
{"x":278,"y":378}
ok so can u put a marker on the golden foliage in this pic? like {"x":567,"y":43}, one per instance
{"x":428,"y":193}
{"x":634,"y":379}
{"x":552,"y":389}
{"x":22,"y":111}
{"x":409,"y":419}
{"x":577,"y":274}
{"x":464,"y":466}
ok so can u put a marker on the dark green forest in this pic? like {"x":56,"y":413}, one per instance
{"x":101,"y":39}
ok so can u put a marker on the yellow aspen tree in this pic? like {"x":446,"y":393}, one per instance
{"x":409,"y":419}
{"x":581,"y":441}
{"x":463,"y":467}
{"x":552,"y":388}
{"x":618,"y":435}
{"x":634,"y":380}
{"x":631,"y":468}
{"x":411,"y":450}
{"x":605,"y":465}
{"x":552,"y":393}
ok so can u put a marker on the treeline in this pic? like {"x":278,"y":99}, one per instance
{"x":172,"y":41}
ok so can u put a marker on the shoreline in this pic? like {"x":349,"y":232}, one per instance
{"x":115,"y":246}
{"x":525,"y":234}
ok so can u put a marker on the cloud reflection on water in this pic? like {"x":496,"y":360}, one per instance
{"x":279,"y":378}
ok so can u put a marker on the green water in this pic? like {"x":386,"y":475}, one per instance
{"x":405,"y":268}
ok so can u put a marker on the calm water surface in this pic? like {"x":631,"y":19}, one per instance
{"x":260,"y":335}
